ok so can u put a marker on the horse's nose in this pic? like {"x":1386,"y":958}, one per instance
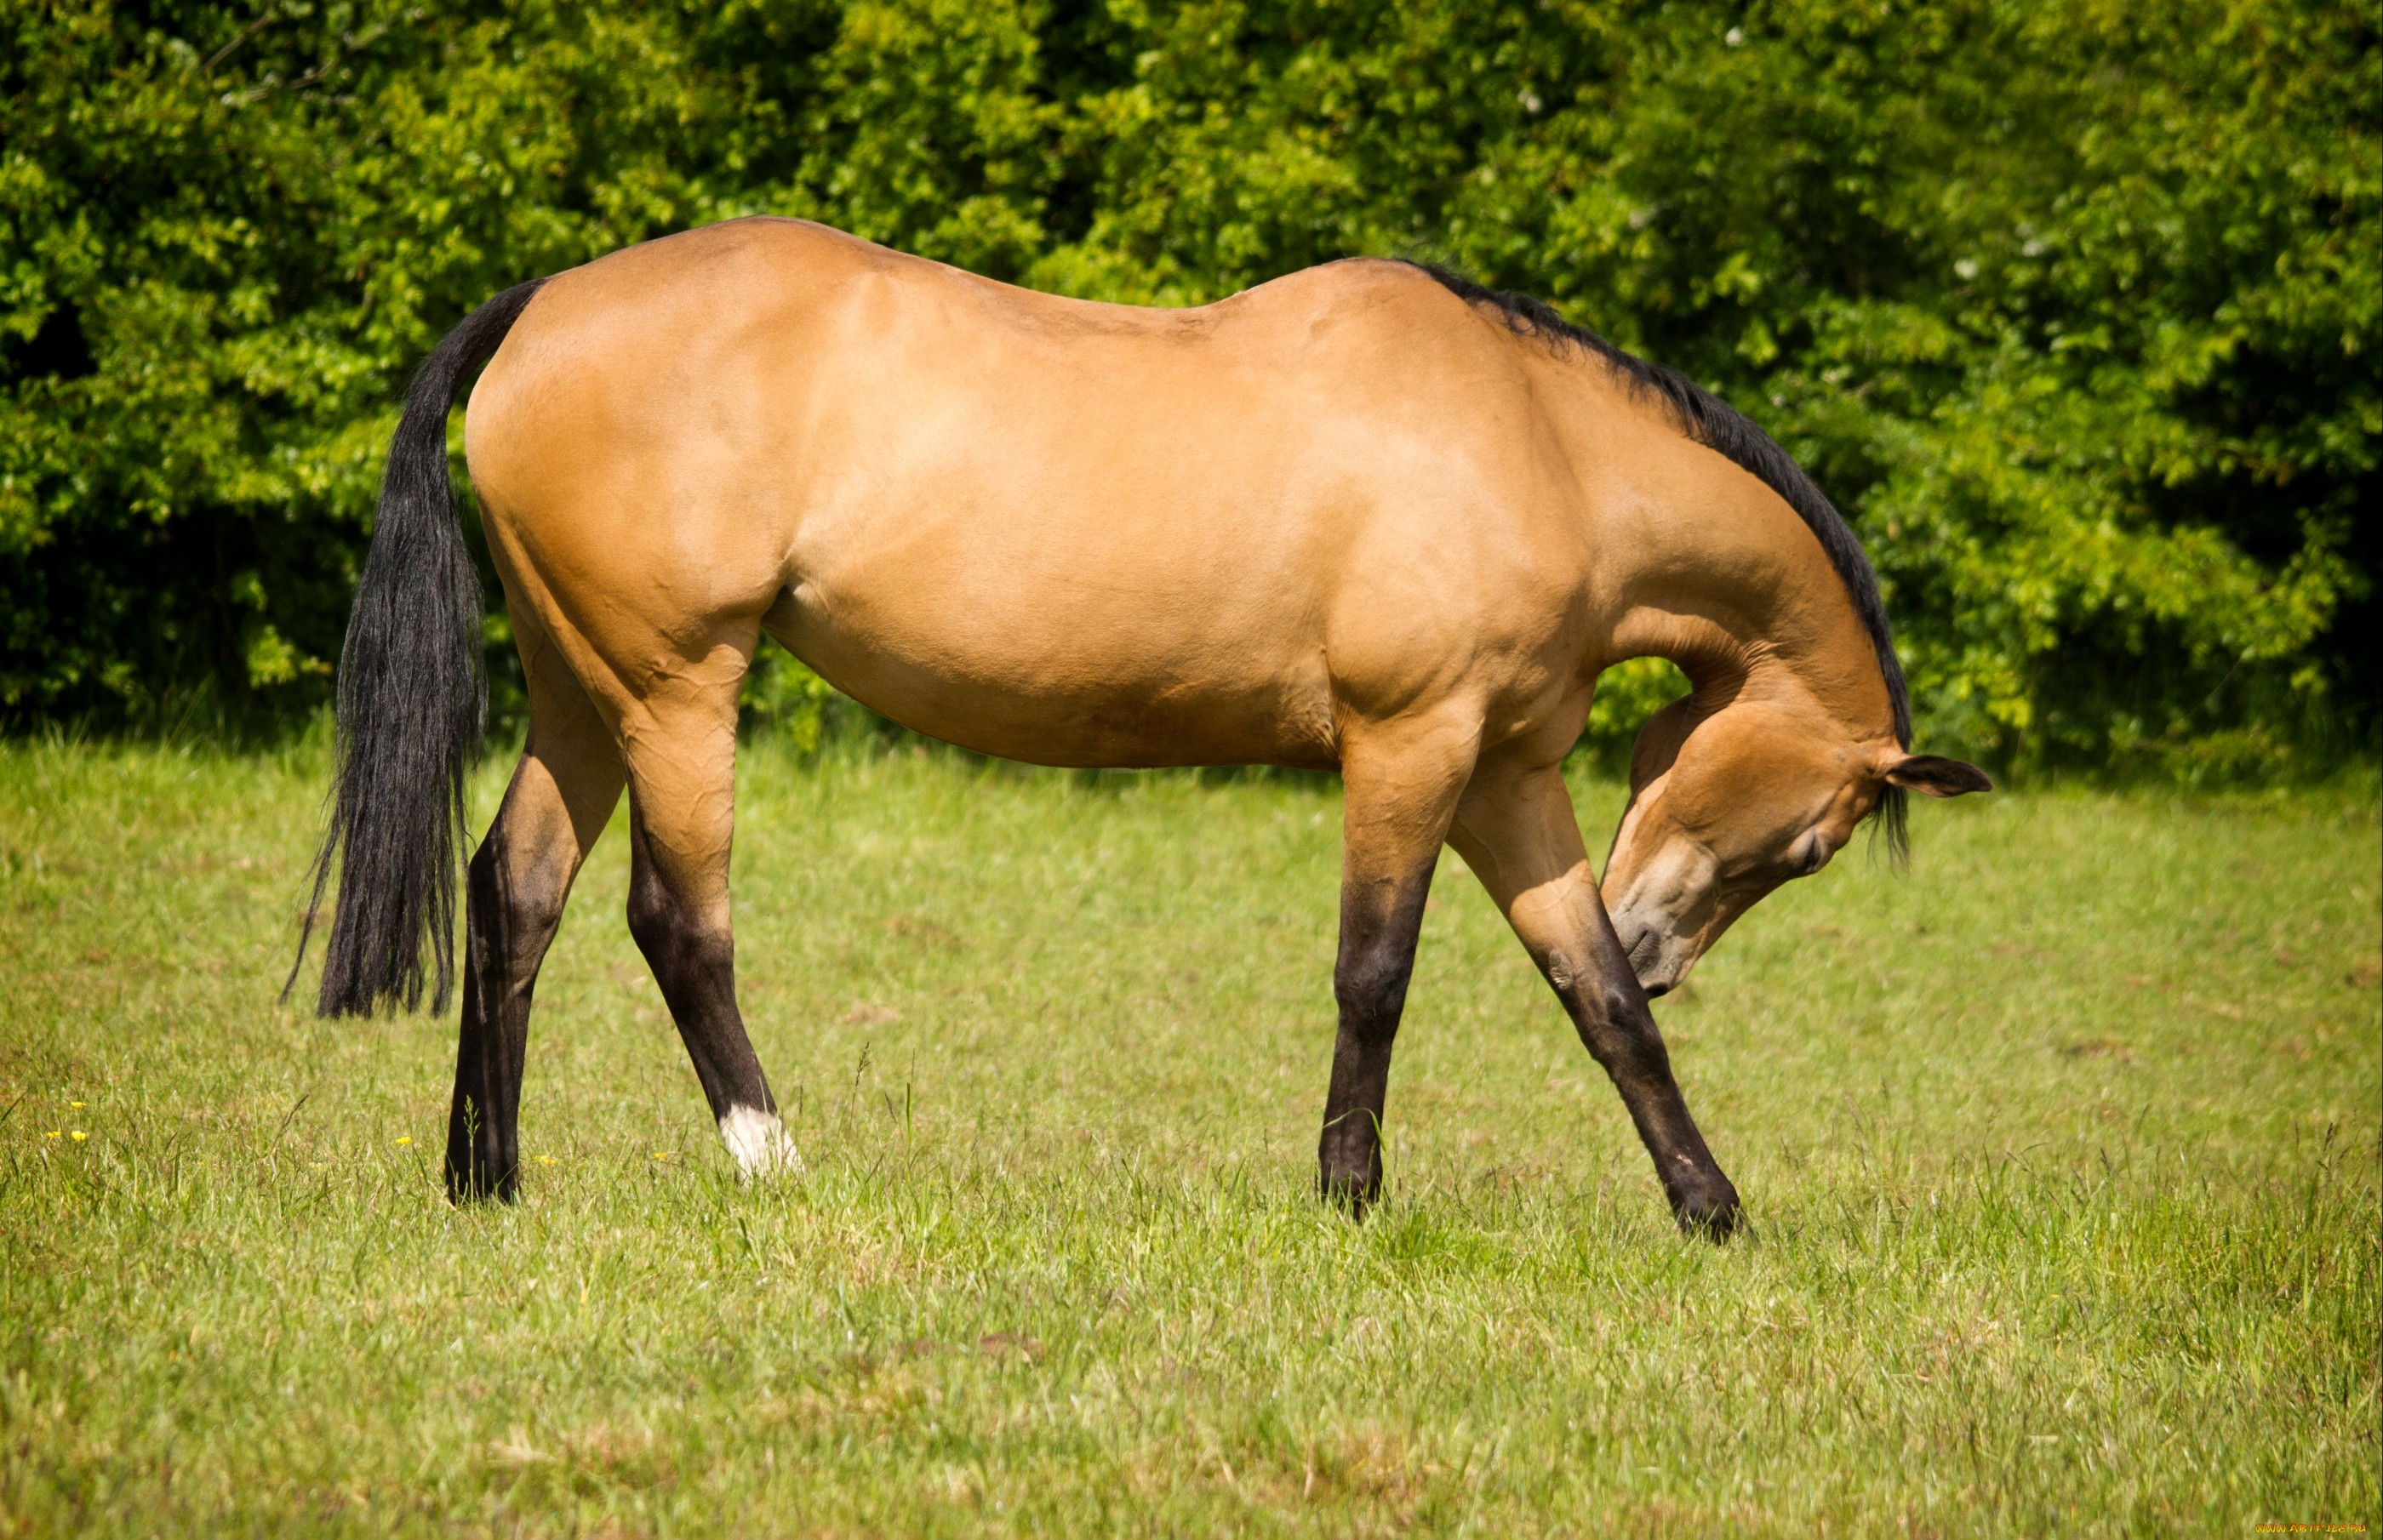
{"x":1643,"y":950}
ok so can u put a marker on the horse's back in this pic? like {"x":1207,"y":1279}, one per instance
{"x":1046,"y":527}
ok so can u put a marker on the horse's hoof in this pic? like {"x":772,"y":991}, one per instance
{"x":1352,"y":1195}
{"x":1713,"y":1215}
{"x":466,"y":1188}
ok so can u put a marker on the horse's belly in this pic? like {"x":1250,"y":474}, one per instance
{"x":1068,"y":678}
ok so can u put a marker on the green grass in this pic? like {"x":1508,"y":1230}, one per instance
{"x":2062,"y":1154}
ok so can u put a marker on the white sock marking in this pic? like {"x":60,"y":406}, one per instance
{"x":759,"y":1142}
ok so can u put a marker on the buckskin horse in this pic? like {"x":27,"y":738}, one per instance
{"x":1370,"y":518}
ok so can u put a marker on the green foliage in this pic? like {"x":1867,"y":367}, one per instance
{"x":2073,"y":306}
{"x":783,"y":697}
{"x":1627,"y":694}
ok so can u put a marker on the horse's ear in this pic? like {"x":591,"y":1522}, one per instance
{"x":1934,"y":775}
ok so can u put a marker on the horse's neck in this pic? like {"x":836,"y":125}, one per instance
{"x":1737,"y":592}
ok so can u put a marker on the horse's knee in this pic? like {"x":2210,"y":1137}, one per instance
{"x":1370,"y":985}
{"x":1619,"y":1031}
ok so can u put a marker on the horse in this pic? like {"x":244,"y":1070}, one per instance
{"x":1369,"y":518}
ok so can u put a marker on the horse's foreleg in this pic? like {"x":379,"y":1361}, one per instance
{"x":681,"y":789}
{"x":1401,"y":790}
{"x":561,"y":797}
{"x":1516,"y":828}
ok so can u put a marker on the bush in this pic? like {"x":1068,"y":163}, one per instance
{"x":2073,"y":305}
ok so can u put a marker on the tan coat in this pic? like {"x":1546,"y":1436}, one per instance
{"x":1346,"y":520}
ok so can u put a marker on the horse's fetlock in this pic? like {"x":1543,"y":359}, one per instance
{"x":759,"y":1142}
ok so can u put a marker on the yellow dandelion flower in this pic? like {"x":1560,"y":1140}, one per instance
{"x":662,"y":1154}
{"x":76,"y":1105}
{"x":52,"y":1134}
{"x":405,"y":1139}
{"x":77,"y":1136}
{"x":546,"y":1160}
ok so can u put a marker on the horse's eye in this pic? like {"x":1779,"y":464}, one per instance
{"x":1810,"y":853}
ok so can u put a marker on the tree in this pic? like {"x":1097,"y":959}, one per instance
{"x":2072,"y":306}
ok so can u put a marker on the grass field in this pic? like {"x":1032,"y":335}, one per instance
{"x":2062,"y":1154}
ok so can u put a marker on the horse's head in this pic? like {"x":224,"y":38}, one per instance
{"x":1726,"y":805}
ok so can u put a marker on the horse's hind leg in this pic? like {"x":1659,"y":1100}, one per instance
{"x":1400,"y":788}
{"x":1516,"y":829}
{"x":561,"y":794}
{"x":681,"y":746}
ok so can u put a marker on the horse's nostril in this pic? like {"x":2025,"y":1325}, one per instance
{"x":1644,"y":951}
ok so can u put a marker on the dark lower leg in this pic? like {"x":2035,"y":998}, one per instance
{"x":681,"y":925}
{"x":511,"y":911}
{"x":1516,"y":828}
{"x":1379,"y":927}
{"x":561,"y":794}
{"x":1610,"y":1012}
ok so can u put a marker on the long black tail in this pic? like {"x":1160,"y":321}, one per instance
{"x":413,"y":702}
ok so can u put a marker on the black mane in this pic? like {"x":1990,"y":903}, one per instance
{"x":1709,"y":421}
